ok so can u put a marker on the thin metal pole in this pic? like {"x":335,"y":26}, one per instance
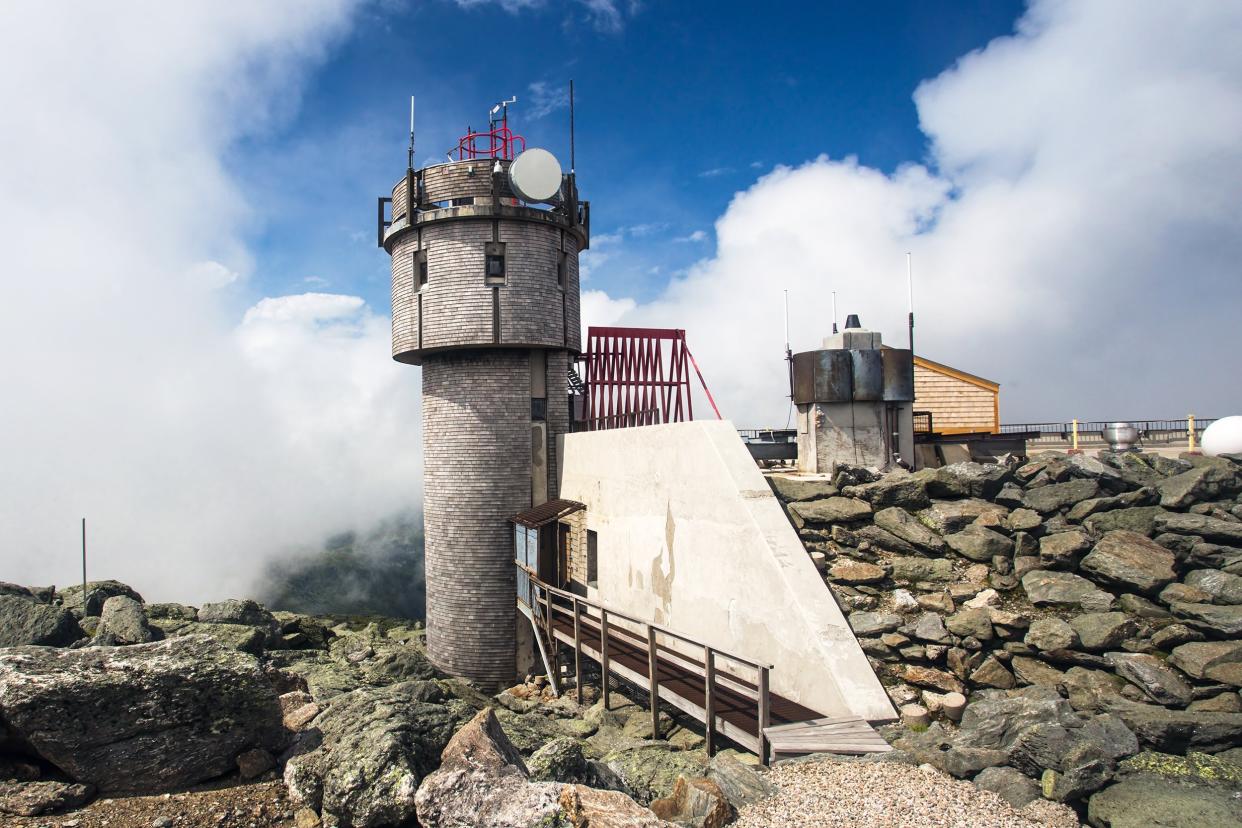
{"x":786,"y":320}
{"x":834,"y":311}
{"x":910,"y":296}
{"x":653,"y":680}
{"x":572,"y":156}
{"x":578,"y":651}
{"x":83,"y":567}
{"x":603,"y":654}
{"x":409,"y":160}
{"x":763,"y":714}
{"x":709,"y":697}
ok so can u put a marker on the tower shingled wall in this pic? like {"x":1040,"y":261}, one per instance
{"x":474,"y":341}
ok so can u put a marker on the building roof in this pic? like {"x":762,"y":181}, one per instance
{"x":941,"y":368}
{"x":545,"y":513}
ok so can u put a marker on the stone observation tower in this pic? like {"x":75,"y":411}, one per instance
{"x":485,"y":298}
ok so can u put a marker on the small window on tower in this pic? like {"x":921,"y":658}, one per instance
{"x":562,"y":270}
{"x":494,"y":272}
{"x":592,"y":559}
{"x":420,"y":269}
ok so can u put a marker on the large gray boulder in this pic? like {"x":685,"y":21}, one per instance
{"x":1224,"y":587}
{"x":949,"y":516}
{"x":650,"y":771}
{"x":23,"y":621}
{"x":832,"y":510}
{"x":899,"y":488}
{"x":1196,"y":657}
{"x":1141,"y":519}
{"x":1176,"y":731}
{"x":146,"y":718}
{"x":1056,"y":496}
{"x":483,"y":783}
{"x":96,"y":593}
{"x":1144,"y":801}
{"x":1160,"y":683}
{"x":36,"y":798}
{"x":373,"y":747}
{"x":1051,"y":634}
{"x":969,"y":480}
{"x":922,"y":570}
{"x":1044,"y":587}
{"x":1211,"y":478}
{"x":1212,"y":529}
{"x":908,"y":528}
{"x":122,"y":617}
{"x":979,"y":543}
{"x":997,"y":721}
{"x":1100,"y":631}
{"x":1009,"y":784}
{"x":1132,"y":561}
{"x":1225,"y":621}
{"x":794,"y":489}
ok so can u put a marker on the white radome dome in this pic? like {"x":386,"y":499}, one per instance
{"x":1223,"y":437}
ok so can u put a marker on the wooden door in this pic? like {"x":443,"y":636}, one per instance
{"x":562,"y":555}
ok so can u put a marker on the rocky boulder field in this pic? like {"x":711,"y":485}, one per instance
{"x":1067,"y":628}
{"x":117,"y":712}
{"x":1061,"y":637}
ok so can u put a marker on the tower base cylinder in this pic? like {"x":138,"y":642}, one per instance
{"x":477,"y":454}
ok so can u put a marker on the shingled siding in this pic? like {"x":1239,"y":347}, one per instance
{"x":457,"y":305}
{"x":477,"y":473}
{"x":955,"y":404}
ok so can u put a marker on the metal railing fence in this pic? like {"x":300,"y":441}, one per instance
{"x":1092,"y":431}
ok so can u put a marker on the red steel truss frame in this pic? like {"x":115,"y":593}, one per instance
{"x":630,"y":381}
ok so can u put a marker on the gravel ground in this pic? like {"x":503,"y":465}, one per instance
{"x":826,"y":794}
{"x":222,"y":805}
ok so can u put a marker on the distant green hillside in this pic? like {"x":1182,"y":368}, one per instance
{"x":379,"y":572}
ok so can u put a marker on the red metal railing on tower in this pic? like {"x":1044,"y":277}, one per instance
{"x":498,"y":142}
{"x":639,"y":376}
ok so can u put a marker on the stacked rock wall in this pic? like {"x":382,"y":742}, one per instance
{"x":1097,"y":587}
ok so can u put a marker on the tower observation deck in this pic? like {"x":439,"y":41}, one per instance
{"x":485,"y":298}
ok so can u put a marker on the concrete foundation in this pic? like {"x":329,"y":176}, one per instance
{"x":689,"y":535}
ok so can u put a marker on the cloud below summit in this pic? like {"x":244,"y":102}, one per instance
{"x":196,"y":445}
{"x":1076,"y":228}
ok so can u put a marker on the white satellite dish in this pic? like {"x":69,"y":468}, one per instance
{"x":535,"y":175}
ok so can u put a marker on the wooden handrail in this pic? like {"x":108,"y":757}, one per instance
{"x":576,"y":607}
{"x":619,"y":614}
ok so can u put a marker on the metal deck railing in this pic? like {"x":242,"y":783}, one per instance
{"x":1151,"y":432}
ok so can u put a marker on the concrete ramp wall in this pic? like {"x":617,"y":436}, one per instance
{"x":691,"y":537}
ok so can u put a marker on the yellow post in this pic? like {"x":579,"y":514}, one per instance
{"x":1190,"y":431}
{"x":1075,"y":433}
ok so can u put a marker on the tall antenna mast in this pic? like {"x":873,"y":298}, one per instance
{"x":910,"y":295}
{"x":572,"y":159}
{"x":788,"y":351}
{"x":834,"y":311}
{"x":83,"y":567}
{"x":409,"y":159}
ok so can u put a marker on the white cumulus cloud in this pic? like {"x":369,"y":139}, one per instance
{"x":1076,"y":228}
{"x":197,"y":437}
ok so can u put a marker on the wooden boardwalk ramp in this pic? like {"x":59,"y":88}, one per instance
{"x":729,"y":694}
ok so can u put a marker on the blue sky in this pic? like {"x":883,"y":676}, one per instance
{"x":679,"y":106}
{"x":202,"y":315}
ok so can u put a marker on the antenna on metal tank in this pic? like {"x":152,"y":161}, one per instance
{"x":910,"y":297}
{"x":788,"y":350}
{"x":409,"y":158}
